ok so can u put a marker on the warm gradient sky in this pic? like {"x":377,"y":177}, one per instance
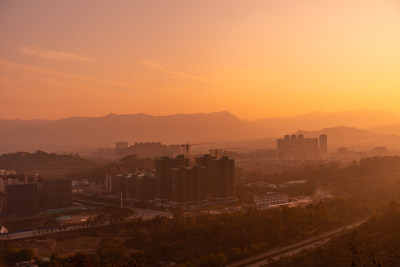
{"x":255,"y":58}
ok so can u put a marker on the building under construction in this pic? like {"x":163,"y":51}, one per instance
{"x":164,"y":167}
{"x":210,"y":178}
{"x":174,"y":181}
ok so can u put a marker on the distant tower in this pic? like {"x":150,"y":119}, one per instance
{"x":121,"y":145}
{"x":323,"y":143}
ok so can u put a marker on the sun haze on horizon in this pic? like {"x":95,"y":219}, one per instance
{"x":256,"y":58}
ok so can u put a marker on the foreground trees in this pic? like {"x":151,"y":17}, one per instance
{"x":210,"y":240}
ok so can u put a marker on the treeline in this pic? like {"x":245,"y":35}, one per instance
{"x":69,"y":166}
{"x":41,"y":162}
{"x":96,"y":174}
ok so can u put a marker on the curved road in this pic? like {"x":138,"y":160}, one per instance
{"x":262,"y":259}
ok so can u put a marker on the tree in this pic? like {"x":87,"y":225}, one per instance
{"x":79,"y":260}
{"x":14,"y":255}
{"x":110,"y":250}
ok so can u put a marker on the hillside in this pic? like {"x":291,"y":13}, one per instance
{"x":390,"y":129}
{"x":353,"y":137}
{"x":361,"y":119}
{"x":78,"y":133}
{"x":46,"y":164}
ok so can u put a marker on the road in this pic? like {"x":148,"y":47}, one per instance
{"x":145,"y":214}
{"x":46,"y":231}
{"x":262,"y":259}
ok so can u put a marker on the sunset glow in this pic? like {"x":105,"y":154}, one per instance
{"x":256,"y":59}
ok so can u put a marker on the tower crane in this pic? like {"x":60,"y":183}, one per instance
{"x":214,"y":151}
{"x":186,"y":147}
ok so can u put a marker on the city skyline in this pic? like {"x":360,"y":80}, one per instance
{"x":257,"y":60}
{"x":199,"y":133}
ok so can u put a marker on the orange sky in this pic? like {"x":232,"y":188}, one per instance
{"x":256,"y":58}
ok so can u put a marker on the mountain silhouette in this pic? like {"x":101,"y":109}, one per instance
{"x":75,"y":133}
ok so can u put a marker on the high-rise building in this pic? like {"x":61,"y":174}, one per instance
{"x":178,"y":184}
{"x":200,"y":183}
{"x":164,"y":166}
{"x":323,"y":143}
{"x":223,"y":178}
{"x":54,"y":194}
{"x":298,"y":147}
{"x":220,"y":179}
{"x":189,"y":184}
{"x":206,"y":162}
{"x":175,"y":181}
{"x":145,"y":187}
{"x":122,"y":149}
{"x":163,"y":177}
{"x":31,"y":194}
{"x":21,"y":198}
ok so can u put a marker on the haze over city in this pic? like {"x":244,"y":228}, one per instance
{"x":199,"y":133}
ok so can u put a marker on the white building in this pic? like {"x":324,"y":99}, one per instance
{"x":266,"y":200}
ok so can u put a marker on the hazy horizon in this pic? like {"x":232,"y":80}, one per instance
{"x":311,"y":112}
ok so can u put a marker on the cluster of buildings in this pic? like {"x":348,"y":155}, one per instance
{"x":295,"y":147}
{"x":31,"y":194}
{"x":174,"y":181}
{"x":301,"y":148}
{"x":141,"y":150}
{"x":134,"y":186}
{"x":146,"y":150}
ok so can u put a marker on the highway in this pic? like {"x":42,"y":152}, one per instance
{"x":262,"y":259}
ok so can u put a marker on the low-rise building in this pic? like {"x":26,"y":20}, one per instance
{"x":266,"y":200}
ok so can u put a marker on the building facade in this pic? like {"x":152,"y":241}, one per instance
{"x":300,"y":148}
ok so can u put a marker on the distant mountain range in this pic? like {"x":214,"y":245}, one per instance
{"x":354,"y":138}
{"x":73,"y":134}
{"x":361,"y":119}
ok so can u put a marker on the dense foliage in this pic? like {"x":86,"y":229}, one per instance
{"x":375,"y":243}
{"x":12,"y":255}
{"x":213,"y":240}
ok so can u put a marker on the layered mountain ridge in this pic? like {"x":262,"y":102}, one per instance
{"x":349,"y":127}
